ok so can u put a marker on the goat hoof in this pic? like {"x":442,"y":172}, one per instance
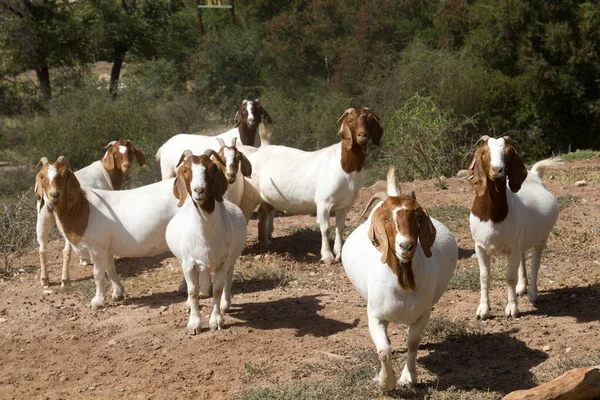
{"x":511,"y":310}
{"x":216,"y":322}
{"x":194,"y":326}
{"x":225,"y":305}
{"x":386,"y":382}
{"x":96,"y":304}
{"x":327,"y":258}
{"x":44,"y":282}
{"x":117,"y":297}
{"x":407,"y":379}
{"x":203,"y":295}
{"x":65,"y":283}
{"x":483,"y":311}
{"x":521,"y":290}
{"x":532,"y":295}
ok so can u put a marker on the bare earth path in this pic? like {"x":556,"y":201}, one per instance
{"x":296,"y":320}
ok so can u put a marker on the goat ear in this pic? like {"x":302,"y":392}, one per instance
{"x":515,"y":169}
{"x":108,"y":161}
{"x":181,"y":187}
{"x":375,"y":129}
{"x":427,"y":233}
{"x":380,"y":237}
{"x":72,"y":190}
{"x":346,"y":135}
{"x":39,"y":191}
{"x":219,"y":183}
{"x":245,"y":165}
{"x":140,"y":157}
{"x":266,"y":116}
{"x":238,"y":119}
{"x":476,"y":175}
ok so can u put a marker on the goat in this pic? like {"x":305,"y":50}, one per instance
{"x":321,"y":181}
{"x":207,"y":235}
{"x":103,"y":223}
{"x":248,"y":117}
{"x":109,"y":173}
{"x":509,"y":221}
{"x":399,"y":277}
{"x":236,"y":166}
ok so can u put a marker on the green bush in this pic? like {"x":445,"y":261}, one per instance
{"x":423,"y":141}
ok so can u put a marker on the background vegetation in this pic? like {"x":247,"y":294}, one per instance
{"x":440,"y":74}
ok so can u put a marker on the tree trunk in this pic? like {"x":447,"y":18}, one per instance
{"x":43,"y":75}
{"x":115,"y":72}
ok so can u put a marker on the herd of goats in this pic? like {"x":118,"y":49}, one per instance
{"x":400,"y":260}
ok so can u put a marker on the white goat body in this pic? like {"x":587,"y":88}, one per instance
{"x":208,"y":243}
{"x":524,"y":219}
{"x":387,"y":299}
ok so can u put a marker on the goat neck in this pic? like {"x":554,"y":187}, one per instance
{"x":247,"y":133}
{"x":353,"y":159}
{"x":117,"y":178}
{"x":74,"y":220}
{"x":493,"y":204}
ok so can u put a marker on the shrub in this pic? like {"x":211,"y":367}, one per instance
{"x":17,"y":231}
{"x":423,"y":141}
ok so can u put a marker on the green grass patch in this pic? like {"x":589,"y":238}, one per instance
{"x":440,"y":329}
{"x":580,"y":155}
{"x":454,"y":217}
{"x":566,"y":201}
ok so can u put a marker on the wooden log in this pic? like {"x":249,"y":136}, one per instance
{"x":576,"y":384}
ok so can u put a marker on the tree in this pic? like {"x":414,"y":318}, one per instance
{"x":39,"y":34}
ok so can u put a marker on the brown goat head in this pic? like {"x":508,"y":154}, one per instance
{"x":200,"y":178}
{"x":495,"y":161}
{"x":119,"y":155}
{"x":234,"y":160}
{"x":358,"y":125}
{"x":396,"y":226}
{"x":56,"y":183}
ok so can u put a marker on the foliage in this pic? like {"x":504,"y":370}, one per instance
{"x":17,"y":231}
{"x":580,"y":155}
{"x":424,"y":141}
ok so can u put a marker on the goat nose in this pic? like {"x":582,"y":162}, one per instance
{"x":498,"y":170}
{"x":54,"y":194}
{"x":199,"y":190}
{"x":407,"y":246}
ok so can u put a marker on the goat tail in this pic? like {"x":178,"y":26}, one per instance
{"x":265,"y":135}
{"x":539,"y":168}
{"x":158,"y":153}
{"x":392,"y":188}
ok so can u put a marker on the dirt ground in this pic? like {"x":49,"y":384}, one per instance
{"x":294,"y":319}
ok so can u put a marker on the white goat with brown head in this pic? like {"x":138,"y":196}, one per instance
{"x":248,"y":119}
{"x":302,"y":182}
{"x":509,"y":221}
{"x":400,"y":261}
{"x":207,"y":235}
{"x":109,"y":173}
{"x":103,"y":223}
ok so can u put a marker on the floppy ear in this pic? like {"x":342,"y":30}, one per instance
{"x":140,"y":157}
{"x":245,"y":165}
{"x":181,"y":187}
{"x":346,"y":135}
{"x":375,"y":130}
{"x":515,"y":169}
{"x":427,"y":233}
{"x":108,"y":161}
{"x":266,"y":115}
{"x":72,"y":188}
{"x":378,"y":235}
{"x":219,"y":183}
{"x":39,"y":191}
{"x":476,"y":175}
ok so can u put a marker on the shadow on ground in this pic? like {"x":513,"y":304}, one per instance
{"x":497,"y":362}
{"x":578,"y":302}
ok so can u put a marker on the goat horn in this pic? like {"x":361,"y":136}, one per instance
{"x":210,"y":152}
{"x":484,"y":138}
{"x":63,"y":161}
{"x":221,"y":142}
{"x":110,"y":144}
{"x":233,"y":141}
{"x":507,"y":139}
{"x":184,"y":156}
{"x":348,"y":111}
{"x":43,"y":160}
{"x":377,"y":196}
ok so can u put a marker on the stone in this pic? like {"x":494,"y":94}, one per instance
{"x":462,"y":173}
{"x":581,"y":183}
{"x":112,"y":342}
{"x":576,"y":384}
